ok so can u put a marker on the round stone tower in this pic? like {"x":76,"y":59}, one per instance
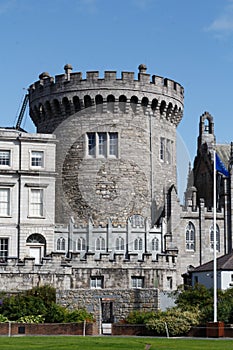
{"x":116,"y":151}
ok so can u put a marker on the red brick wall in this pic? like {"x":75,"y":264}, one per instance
{"x":46,"y":329}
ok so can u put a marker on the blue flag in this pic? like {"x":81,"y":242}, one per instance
{"x":220,"y":167}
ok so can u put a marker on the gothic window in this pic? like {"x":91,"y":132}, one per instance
{"x":217,"y":238}
{"x":137,"y":282}
{"x":120,"y":243}
{"x":155,"y":244}
{"x":61,"y":244}
{"x":5,"y":157}
{"x":81,"y":244}
{"x":100,"y":244}
{"x":190,"y":237}
{"x":138,"y":244}
{"x":137,"y":220}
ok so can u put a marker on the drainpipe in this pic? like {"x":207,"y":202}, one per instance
{"x":19,"y":195}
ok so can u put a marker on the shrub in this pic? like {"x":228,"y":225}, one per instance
{"x":3,"y":319}
{"x":138,"y":317}
{"x":178,"y":322}
{"x":31,"y":319}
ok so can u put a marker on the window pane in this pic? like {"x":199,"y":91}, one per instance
{"x":36,"y":205}
{"x":113,"y":144}
{"x":91,"y":143}
{"x":3,"y":248}
{"x":102,"y":143}
{"x":4,"y":201}
{"x":4,"y":157}
{"x":37,"y":158}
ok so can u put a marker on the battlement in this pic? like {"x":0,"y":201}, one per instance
{"x":69,"y":93}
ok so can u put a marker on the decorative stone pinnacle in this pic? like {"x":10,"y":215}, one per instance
{"x":142,"y":68}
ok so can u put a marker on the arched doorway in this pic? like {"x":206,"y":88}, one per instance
{"x":37,"y":246}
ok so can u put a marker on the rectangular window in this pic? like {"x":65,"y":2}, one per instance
{"x":91,"y":143}
{"x":97,"y":282}
{"x":162,"y":148}
{"x":169,"y":282}
{"x":37,"y":158}
{"x":102,"y":143}
{"x":3,"y":248}
{"x":113,"y":144}
{"x":5,"y":157}
{"x":36,"y":202}
{"x":137,"y":282}
{"x":4,"y":201}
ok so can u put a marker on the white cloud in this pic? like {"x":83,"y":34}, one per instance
{"x":223,"y":25}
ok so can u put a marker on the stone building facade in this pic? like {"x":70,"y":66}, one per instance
{"x":114,"y":225}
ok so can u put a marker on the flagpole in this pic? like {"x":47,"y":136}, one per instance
{"x":215,"y":241}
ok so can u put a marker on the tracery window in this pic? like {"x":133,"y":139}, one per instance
{"x":217,"y":238}
{"x":138,"y":244}
{"x":190,"y":236}
{"x":61,"y":244}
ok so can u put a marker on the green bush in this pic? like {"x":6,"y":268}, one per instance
{"x":31,"y":319}
{"x":79,"y":315}
{"x":3,"y":319}
{"x":138,"y":317}
{"x":178,"y":322}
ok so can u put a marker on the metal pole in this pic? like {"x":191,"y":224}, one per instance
{"x":215,"y":260}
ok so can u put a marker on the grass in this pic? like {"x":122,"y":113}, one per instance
{"x":111,"y":343}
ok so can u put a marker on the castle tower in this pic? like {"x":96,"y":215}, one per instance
{"x":116,"y":152}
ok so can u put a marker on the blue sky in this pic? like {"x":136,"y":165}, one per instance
{"x":190,"y":41}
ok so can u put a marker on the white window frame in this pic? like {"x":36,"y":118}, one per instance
{"x":96,"y":282}
{"x":137,"y":282}
{"x":100,"y":244}
{"x":37,"y":159}
{"x":5,"y":161}
{"x":81,"y":244}
{"x":138,"y":244}
{"x":4,"y":248}
{"x":40,"y":204}
{"x":120,"y":244}
{"x":190,"y":237}
{"x":102,"y":145}
{"x":217,"y":238}
{"x":155,"y":244}
{"x":5,"y":204}
{"x":61,"y":244}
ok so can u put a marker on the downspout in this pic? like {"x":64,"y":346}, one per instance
{"x":19,"y":195}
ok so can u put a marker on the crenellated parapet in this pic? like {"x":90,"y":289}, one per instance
{"x":54,"y":99}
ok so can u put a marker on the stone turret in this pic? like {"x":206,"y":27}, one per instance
{"x":116,"y":153}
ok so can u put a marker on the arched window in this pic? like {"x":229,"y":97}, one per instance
{"x":155,"y":244}
{"x":133,"y":103}
{"x":77,"y":104}
{"x":138,"y":244}
{"x":61,"y":244}
{"x":66,"y":105}
{"x":100,"y":243}
{"x":122,"y":103}
{"x":144,"y":104}
{"x":87,"y":101}
{"x":217,"y":238}
{"x":99,"y":103}
{"x":162,"y":107}
{"x":120,"y":243}
{"x":110,"y":103}
{"x":81,"y":244}
{"x":154,"y":104}
{"x":190,"y":237}
{"x":137,"y":220}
